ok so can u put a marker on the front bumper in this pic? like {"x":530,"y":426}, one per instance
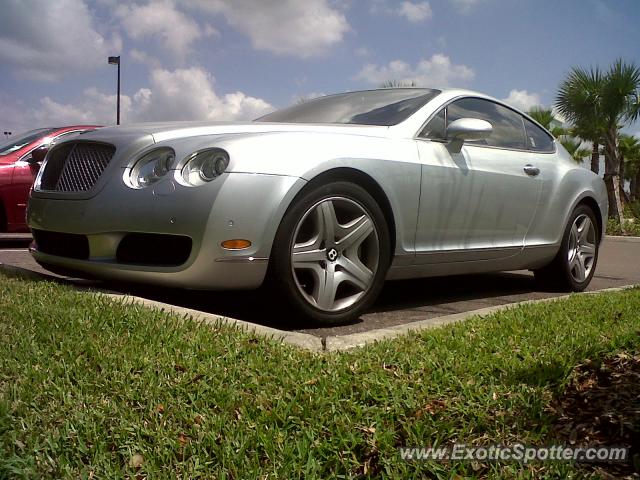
{"x":235,"y":205}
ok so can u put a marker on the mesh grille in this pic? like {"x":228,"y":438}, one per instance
{"x":76,"y":167}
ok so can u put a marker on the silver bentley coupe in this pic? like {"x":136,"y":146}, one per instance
{"x":322,"y":201}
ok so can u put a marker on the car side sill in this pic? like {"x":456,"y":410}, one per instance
{"x":532,"y":257}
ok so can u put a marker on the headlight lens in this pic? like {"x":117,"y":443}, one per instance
{"x":204,"y":166}
{"x":152,"y":167}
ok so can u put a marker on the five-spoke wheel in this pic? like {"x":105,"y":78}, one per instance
{"x":331,"y":252}
{"x":335,"y":253}
{"x":582,"y":248}
{"x":573,"y":267}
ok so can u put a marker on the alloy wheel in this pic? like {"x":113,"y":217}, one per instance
{"x":582,"y":248}
{"x":335,"y":253}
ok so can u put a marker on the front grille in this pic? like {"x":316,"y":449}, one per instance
{"x":68,"y":245}
{"x":76,"y":167}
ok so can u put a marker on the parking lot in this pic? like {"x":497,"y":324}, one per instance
{"x":401,"y":302}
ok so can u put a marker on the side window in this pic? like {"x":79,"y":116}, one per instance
{"x":508,"y":129}
{"x":537,"y":139}
{"x":435,"y":128}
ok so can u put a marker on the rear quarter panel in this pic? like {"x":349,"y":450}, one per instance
{"x":564,"y":185}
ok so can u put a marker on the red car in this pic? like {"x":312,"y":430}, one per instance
{"x":20,"y":159}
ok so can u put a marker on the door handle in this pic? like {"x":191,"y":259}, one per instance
{"x":531,"y":170}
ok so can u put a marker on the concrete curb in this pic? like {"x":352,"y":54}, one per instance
{"x":622,"y":238}
{"x":355,"y":340}
{"x":15,"y":238}
{"x":305,"y":340}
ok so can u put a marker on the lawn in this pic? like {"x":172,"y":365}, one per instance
{"x":90,"y":387}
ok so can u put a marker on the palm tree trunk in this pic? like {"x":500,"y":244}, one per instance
{"x":595,"y":158}
{"x":623,"y":194}
{"x":633,"y":187}
{"x":611,"y":179}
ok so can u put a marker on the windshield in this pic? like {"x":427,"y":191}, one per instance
{"x":374,"y":107}
{"x":17,"y":143}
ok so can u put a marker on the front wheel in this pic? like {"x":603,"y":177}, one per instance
{"x":331,"y":253}
{"x":575,"y":264}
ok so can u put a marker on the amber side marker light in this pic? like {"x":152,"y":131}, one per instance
{"x":236,"y":244}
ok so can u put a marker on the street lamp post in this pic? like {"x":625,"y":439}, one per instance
{"x":7,"y":134}
{"x":116,"y":61}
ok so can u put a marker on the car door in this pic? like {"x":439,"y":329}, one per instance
{"x":479,"y":203}
{"x":24,"y":173}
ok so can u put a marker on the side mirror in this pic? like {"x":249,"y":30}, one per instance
{"x":467,"y":129}
{"x":37,"y":155}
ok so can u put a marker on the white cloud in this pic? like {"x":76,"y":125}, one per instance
{"x":188,"y":94}
{"x":94,"y":107}
{"x":415,"y":12}
{"x":44,"y":40}
{"x":285,"y":27}
{"x":182,"y":94}
{"x":305,"y":97}
{"x":523,"y":100}
{"x":144,"y":58}
{"x":465,"y":6}
{"x":160,"y":19}
{"x":438,"y":71}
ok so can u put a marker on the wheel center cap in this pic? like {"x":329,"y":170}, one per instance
{"x":332,"y":254}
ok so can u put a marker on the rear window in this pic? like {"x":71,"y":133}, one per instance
{"x":23,"y":140}
{"x":537,"y":139}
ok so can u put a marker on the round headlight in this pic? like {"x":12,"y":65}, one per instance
{"x":152,"y":167}
{"x":205,"y":166}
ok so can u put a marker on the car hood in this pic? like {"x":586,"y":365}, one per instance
{"x":167,"y":131}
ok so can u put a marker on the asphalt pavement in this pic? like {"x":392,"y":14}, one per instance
{"x":401,"y":302}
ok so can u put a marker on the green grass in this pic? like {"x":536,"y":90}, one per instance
{"x":86,"y":383}
{"x":631,"y":227}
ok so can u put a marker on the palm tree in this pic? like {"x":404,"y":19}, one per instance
{"x":578,"y":100}
{"x":598,"y":105}
{"x":573,"y":146}
{"x":398,"y":84}
{"x":629,"y":148}
{"x":620,"y":105}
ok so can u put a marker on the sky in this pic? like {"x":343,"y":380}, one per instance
{"x":238,"y":59}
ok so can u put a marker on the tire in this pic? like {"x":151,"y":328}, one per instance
{"x":339,"y":238}
{"x":575,"y":263}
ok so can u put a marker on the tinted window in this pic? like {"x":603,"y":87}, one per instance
{"x":537,"y":138}
{"x":435,"y":128}
{"x":23,"y":140}
{"x":508,"y":130}
{"x":376,"y":107}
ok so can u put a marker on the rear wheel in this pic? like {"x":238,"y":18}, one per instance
{"x":331,"y":253}
{"x":574,"y":266}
